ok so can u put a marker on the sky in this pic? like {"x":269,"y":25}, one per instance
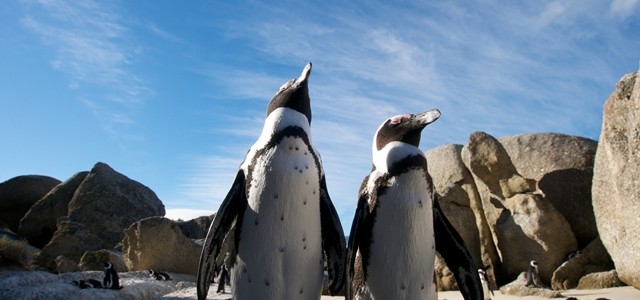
{"x":172,"y":94}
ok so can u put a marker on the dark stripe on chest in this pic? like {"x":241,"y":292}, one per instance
{"x":276,"y":138}
{"x":382,"y":184}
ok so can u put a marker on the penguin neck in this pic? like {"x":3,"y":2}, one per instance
{"x":279,"y":119}
{"x":391,"y":153}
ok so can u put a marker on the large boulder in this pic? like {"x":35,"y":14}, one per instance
{"x":196,"y":228}
{"x":103,"y":205}
{"x":71,"y":240}
{"x":490,"y":162}
{"x":494,"y":174}
{"x":525,"y":226}
{"x":530,"y":228}
{"x":113,"y":199}
{"x":158,"y":243}
{"x":40,"y":222}
{"x":18,"y":194}
{"x":616,"y":188}
{"x":460,"y":201}
{"x":592,"y":259}
{"x":563,"y":167}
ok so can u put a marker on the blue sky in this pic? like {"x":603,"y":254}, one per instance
{"x":173,"y":93}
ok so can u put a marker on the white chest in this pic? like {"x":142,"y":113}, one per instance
{"x":281,"y":236}
{"x":402,"y":251}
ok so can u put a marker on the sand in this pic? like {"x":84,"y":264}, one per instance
{"x":619,"y":293}
{"x":138,"y":283}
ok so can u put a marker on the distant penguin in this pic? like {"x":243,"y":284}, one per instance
{"x":486,"y":290}
{"x":533,"y":277}
{"x":573,"y":254}
{"x":96,"y":284}
{"x":224,"y":278}
{"x":111,"y":279}
{"x":285,"y":223}
{"x":159,"y":275}
{"x":88,"y":284}
{"x":82,"y":284}
{"x":399,"y":225}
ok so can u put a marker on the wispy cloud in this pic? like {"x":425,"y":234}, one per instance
{"x":208,"y":180}
{"x":187,"y":214}
{"x":162,"y":33}
{"x":504,"y":69}
{"x":624,"y":8}
{"x":92,"y":46}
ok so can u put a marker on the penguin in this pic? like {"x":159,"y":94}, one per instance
{"x":224,"y":278}
{"x":82,"y":284}
{"x":399,"y":225}
{"x":88,"y":284}
{"x":285,"y":223}
{"x":485,"y":284}
{"x":533,"y":277}
{"x":573,"y":254}
{"x":111,"y":279}
{"x":96,"y":284}
{"x":159,"y":275}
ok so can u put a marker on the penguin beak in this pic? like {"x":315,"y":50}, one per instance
{"x":421,"y":120}
{"x":305,"y":74}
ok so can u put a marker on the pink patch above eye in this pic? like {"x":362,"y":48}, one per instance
{"x":398,"y":119}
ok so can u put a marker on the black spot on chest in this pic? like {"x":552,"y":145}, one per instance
{"x":276,"y":138}
{"x":382,"y":183}
{"x":380,"y":188}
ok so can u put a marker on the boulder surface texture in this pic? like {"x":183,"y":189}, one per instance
{"x":616,"y":179}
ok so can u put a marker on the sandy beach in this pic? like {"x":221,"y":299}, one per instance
{"x":619,"y":293}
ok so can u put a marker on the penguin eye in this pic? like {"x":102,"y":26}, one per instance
{"x":286,"y":85}
{"x":398,"y":119}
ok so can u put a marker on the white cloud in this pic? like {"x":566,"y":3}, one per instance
{"x":623,"y":8}
{"x":503,"y":69}
{"x":187,"y":214}
{"x":553,"y":12}
{"x":92,"y":47}
{"x":164,"y":34}
{"x":208,"y":180}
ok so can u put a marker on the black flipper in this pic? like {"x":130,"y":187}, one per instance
{"x":456,"y":255}
{"x":359,"y":236}
{"x":333,"y":244}
{"x":234,"y":204}
{"x":355,"y":237}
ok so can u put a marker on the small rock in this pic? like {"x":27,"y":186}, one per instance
{"x":518,"y":288}
{"x":65,"y":265}
{"x":601,"y":280}
{"x":94,"y":260}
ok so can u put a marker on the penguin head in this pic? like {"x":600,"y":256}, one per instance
{"x":404,"y":128}
{"x":107,"y":265}
{"x":151,"y":271}
{"x":534,"y":264}
{"x":294,"y":94}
